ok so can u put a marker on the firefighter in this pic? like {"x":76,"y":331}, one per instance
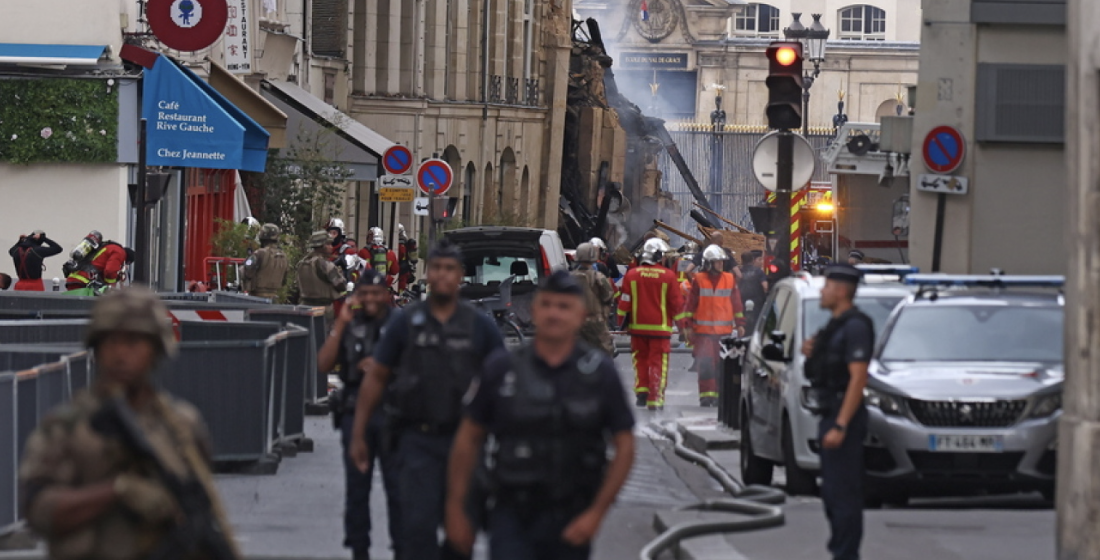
{"x":28,"y":255}
{"x":406,"y":259}
{"x":605,"y":260}
{"x":320,"y":283}
{"x":265,"y":270}
{"x":598,"y":295}
{"x":716,"y":312}
{"x":95,"y":260}
{"x":651,"y":303}
{"x":380,"y":257}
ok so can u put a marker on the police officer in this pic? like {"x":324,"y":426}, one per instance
{"x":427,"y":358}
{"x":838,"y":356}
{"x":88,"y":491}
{"x":265,"y":270}
{"x":552,"y":407}
{"x":348,"y":350}
{"x":320,"y":283}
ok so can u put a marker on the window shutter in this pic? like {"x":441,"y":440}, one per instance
{"x":1021,"y":103}
{"x":329,"y":27}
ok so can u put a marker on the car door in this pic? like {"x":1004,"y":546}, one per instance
{"x":761,"y":376}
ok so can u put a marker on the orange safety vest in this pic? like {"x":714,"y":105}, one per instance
{"x":715,"y":313}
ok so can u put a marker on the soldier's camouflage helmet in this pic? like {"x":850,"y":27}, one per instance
{"x":587,"y":253}
{"x":269,"y":232}
{"x":132,"y":310}
{"x":319,"y":239}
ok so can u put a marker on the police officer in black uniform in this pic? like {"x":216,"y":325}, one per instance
{"x":838,"y":356}
{"x":552,"y":407}
{"x":348,"y":350}
{"x":428,"y":355}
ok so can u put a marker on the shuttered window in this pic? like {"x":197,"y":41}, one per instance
{"x":329,"y":27}
{"x":1021,"y":103}
{"x":1023,"y":12}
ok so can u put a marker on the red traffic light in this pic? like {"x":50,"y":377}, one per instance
{"x":786,"y":56}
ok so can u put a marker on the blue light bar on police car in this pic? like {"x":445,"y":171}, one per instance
{"x":888,"y":269}
{"x":963,"y":280}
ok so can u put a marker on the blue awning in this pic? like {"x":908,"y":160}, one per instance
{"x":190,"y":124}
{"x":53,"y":55}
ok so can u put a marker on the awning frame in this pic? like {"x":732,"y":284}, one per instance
{"x":29,"y":54}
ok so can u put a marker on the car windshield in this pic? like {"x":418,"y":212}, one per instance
{"x":976,"y":333}
{"x":878,"y":308}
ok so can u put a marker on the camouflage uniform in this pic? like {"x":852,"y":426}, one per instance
{"x":70,"y":451}
{"x":265,"y":270}
{"x":598,"y":298}
{"x":320,"y":283}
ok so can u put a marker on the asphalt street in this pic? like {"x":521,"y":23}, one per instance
{"x":298,"y":512}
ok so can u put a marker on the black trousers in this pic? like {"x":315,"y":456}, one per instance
{"x":423,"y":488}
{"x":516,"y":534}
{"x":842,"y":473}
{"x":357,"y":514}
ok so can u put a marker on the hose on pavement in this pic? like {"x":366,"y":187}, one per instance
{"x":757,"y":507}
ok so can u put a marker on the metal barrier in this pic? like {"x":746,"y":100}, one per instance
{"x":313,"y":320}
{"x":46,"y":331}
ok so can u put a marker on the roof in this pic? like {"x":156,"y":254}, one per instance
{"x":349,"y":128}
{"x":52,"y":55}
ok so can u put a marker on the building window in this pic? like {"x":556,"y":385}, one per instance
{"x":863,"y":23}
{"x":757,"y":20}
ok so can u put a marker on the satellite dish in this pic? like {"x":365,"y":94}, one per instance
{"x":860,"y":145}
{"x":765,"y":160}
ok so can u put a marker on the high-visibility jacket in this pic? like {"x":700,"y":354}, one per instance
{"x":651,"y":297}
{"x":382,"y":260}
{"x":715,"y":305}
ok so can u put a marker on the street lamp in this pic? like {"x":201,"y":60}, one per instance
{"x":814,"y":40}
{"x":718,"y":125}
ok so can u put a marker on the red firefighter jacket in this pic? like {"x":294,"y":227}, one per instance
{"x":109,"y":261}
{"x":651,"y":297}
{"x":391,"y":267}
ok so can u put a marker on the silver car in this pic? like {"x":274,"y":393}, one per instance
{"x":776,"y":429}
{"x":965,"y":389}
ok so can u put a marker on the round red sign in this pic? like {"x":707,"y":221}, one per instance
{"x":187,"y":25}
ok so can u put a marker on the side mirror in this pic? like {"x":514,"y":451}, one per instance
{"x":774,"y":352}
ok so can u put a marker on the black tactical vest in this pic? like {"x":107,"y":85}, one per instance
{"x":437,"y":366}
{"x":359,"y":341}
{"x":827,"y":368}
{"x":551,"y":446}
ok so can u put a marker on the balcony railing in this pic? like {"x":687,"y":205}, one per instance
{"x":512,"y":91}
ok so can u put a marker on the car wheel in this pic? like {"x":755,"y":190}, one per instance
{"x":800,"y":482}
{"x":754,"y":470}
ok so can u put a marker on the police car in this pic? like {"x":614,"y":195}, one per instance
{"x":965,"y":388}
{"x":776,"y":429}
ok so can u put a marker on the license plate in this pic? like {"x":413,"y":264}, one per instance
{"x":979,"y":444}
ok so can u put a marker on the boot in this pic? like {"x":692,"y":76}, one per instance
{"x":708,"y":401}
{"x":640,"y":399}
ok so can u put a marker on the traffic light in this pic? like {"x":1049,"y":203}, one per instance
{"x":441,"y":209}
{"x":784,"y":85}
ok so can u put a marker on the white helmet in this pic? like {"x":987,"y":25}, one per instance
{"x":691,"y":247}
{"x":336,"y":223}
{"x":598,"y":243}
{"x":654,"y":250}
{"x":377,"y":236}
{"x":714,"y":253}
{"x":251,"y":222}
{"x":401,"y":232}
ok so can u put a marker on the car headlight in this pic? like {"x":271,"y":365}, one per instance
{"x":886,"y":403}
{"x":1046,"y":405}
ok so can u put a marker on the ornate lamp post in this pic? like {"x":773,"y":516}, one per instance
{"x":718,"y":125}
{"x":814,"y":41}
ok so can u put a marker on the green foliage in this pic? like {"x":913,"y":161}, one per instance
{"x":58,"y":120}
{"x":234,"y":240}
{"x":302,"y":187}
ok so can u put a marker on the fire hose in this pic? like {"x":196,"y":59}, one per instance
{"x":757,"y":507}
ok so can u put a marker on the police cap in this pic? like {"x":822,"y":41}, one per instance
{"x":370,"y":277}
{"x":856,"y":254}
{"x":843,"y":273}
{"x":561,"y":282}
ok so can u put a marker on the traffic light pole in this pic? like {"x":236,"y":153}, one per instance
{"x":784,"y":177}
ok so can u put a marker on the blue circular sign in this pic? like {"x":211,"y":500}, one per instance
{"x":434,"y":177}
{"x":944,"y":149}
{"x":397,"y":160}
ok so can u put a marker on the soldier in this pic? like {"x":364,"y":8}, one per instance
{"x":836,"y":365}
{"x":122,"y":471}
{"x":650,"y":303}
{"x":348,"y":349}
{"x":320,"y":283}
{"x":265,"y":270}
{"x":598,"y":294}
{"x":551,"y":407}
{"x":426,"y":360}
{"x":716,"y":312}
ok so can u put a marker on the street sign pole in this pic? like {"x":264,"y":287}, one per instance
{"x":937,"y":243}
{"x":784,"y":173}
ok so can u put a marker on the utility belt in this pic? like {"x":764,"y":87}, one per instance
{"x":823,"y":400}
{"x":426,"y":428}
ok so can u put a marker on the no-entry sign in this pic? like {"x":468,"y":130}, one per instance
{"x":944,"y":149}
